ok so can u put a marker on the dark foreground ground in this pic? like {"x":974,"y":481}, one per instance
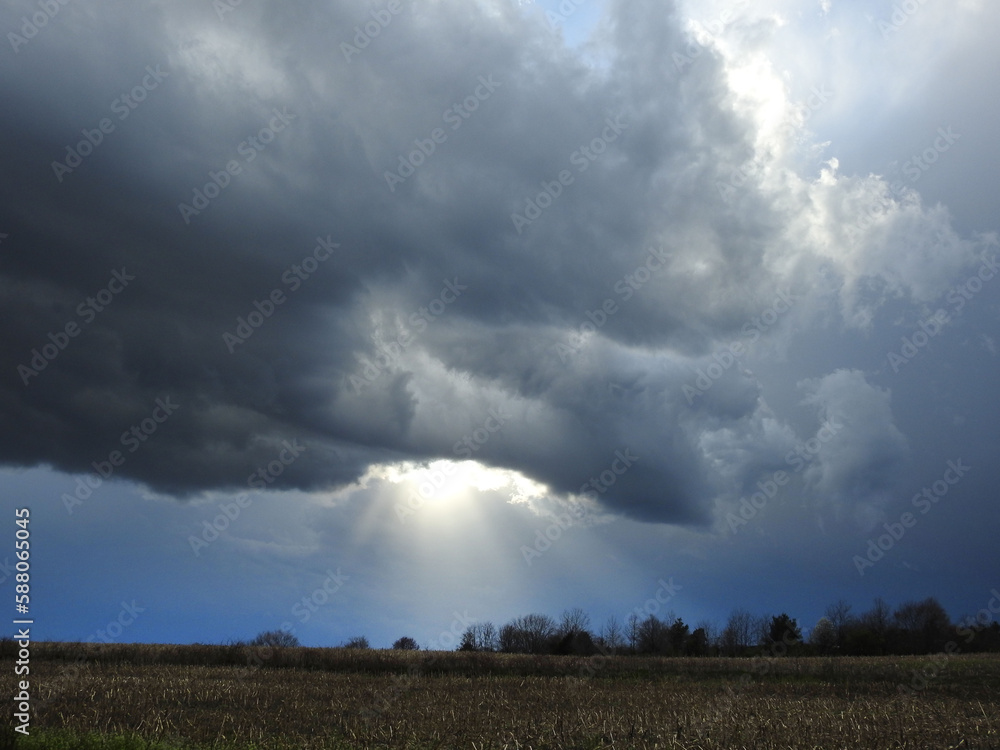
{"x":161,"y":697}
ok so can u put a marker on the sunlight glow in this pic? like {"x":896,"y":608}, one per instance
{"x":760,"y":92}
{"x":446,"y":480}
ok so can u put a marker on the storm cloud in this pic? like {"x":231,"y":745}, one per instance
{"x":363,"y":227}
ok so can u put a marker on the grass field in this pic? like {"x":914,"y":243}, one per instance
{"x":163,"y":697}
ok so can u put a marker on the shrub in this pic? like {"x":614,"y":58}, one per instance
{"x":276,"y":639}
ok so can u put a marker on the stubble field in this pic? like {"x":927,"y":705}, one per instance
{"x":236,"y":697}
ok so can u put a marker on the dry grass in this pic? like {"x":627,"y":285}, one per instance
{"x":337,"y":699}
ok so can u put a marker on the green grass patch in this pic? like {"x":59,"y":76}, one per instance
{"x":62,"y":739}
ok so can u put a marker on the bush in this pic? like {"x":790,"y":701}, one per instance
{"x":406,"y":644}
{"x":275,"y":639}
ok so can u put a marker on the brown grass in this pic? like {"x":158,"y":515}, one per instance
{"x":313,"y":698}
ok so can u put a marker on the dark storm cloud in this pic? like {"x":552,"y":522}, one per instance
{"x":365,"y":242}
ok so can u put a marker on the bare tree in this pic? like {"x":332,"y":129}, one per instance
{"x":740,"y":632}
{"x":878,"y":618}
{"x":925,"y":625}
{"x":632,"y":632}
{"x":528,"y":634}
{"x":839,"y":615}
{"x":511,"y":641}
{"x":573,"y":621}
{"x":538,"y":629}
{"x":275,"y":638}
{"x":481,"y":636}
{"x":745,"y":625}
{"x":613,"y":634}
{"x":710,"y":630}
{"x":761,"y":630}
{"x":823,"y":635}
{"x":487,"y":637}
{"x":652,"y":636}
{"x":728,"y":642}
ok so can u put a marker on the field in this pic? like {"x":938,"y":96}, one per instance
{"x":142,"y":696}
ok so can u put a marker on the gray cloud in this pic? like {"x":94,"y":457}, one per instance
{"x":437,"y":306}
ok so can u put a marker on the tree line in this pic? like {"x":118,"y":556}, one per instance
{"x":914,"y":627}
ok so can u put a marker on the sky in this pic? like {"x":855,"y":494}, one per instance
{"x":380,"y":318}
